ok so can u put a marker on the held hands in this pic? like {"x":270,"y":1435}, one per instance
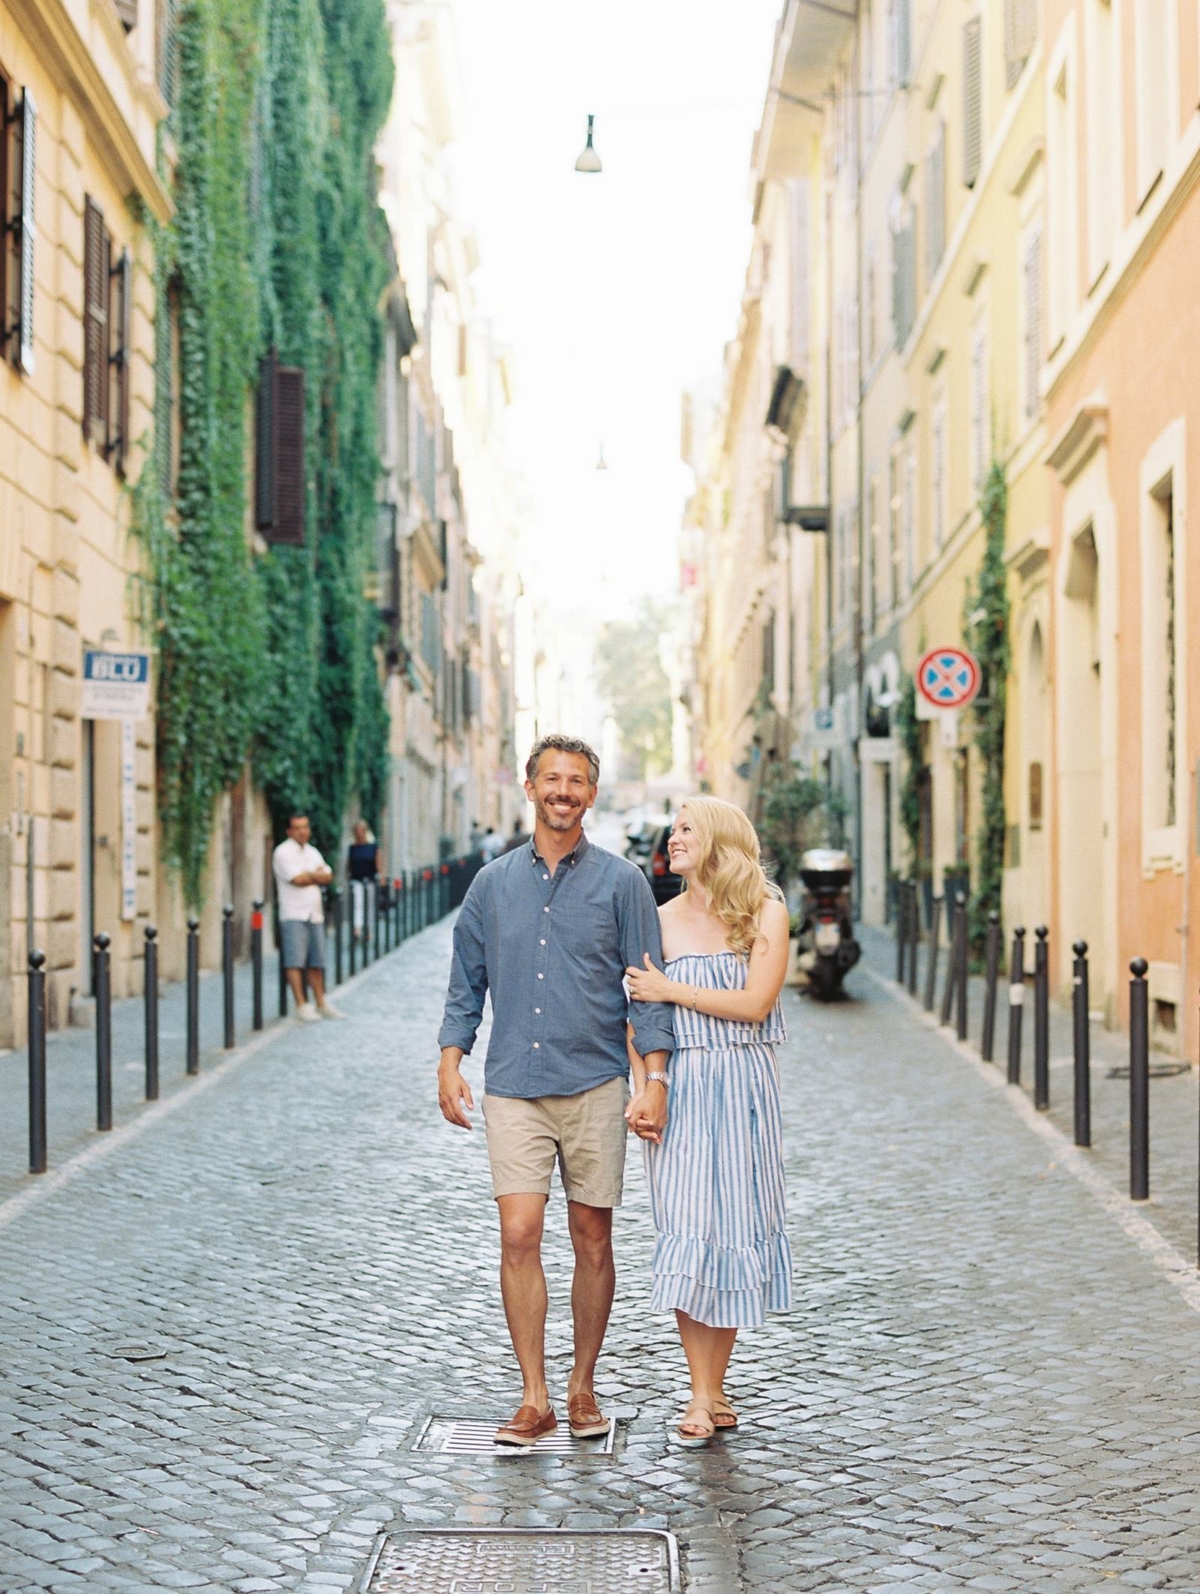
{"x":650,"y":984}
{"x":646,"y":1113}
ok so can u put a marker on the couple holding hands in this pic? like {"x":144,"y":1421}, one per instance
{"x":590,"y":984}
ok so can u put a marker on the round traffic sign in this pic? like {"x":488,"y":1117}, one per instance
{"x":949,"y":677}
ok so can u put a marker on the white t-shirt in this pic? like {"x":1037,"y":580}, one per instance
{"x":298,"y":902}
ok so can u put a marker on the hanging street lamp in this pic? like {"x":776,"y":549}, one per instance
{"x":589,"y":161}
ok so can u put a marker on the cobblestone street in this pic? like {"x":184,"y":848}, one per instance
{"x":988,"y":1383}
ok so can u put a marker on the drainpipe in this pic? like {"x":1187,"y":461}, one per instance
{"x":861,"y":479}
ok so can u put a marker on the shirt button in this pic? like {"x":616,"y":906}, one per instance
{"x":541,"y":976}
{"x":545,"y":910}
{"x":537,"y":1009}
{"x":542,"y":942}
{"x":537,"y":1045}
{"x":545,"y":877}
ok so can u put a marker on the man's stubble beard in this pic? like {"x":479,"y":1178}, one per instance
{"x":558,"y":820}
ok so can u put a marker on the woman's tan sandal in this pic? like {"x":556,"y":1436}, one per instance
{"x":724,"y":1415}
{"x":703,"y":1421}
{"x":585,"y":1417}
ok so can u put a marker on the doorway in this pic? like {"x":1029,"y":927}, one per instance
{"x":1080,"y":795}
{"x":87,"y":851}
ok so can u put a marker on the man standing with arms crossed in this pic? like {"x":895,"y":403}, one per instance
{"x":549,"y":929}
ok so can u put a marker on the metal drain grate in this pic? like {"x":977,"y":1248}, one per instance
{"x":523,"y":1561}
{"x":458,"y":1436}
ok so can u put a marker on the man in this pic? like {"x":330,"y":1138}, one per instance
{"x":548,"y":929}
{"x":492,"y":844}
{"x":300,"y":872}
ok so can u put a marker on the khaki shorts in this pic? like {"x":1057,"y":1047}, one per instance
{"x":584,"y":1134}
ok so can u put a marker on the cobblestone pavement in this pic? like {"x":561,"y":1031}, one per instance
{"x":986,"y":1384}
{"x":1174,"y":1176}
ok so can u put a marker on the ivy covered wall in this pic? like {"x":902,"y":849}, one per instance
{"x":277,"y":241}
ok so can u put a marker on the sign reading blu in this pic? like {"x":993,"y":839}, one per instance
{"x":116,"y":686}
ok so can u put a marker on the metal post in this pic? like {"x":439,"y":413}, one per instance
{"x":227,"y":976}
{"x":951,"y":963}
{"x":102,"y":986}
{"x":1016,"y":1004}
{"x":339,"y":916}
{"x":283,"y":985}
{"x":37,"y":1062}
{"x":256,"y":961}
{"x":960,"y":983}
{"x":352,"y":899}
{"x":1083,"y":1047}
{"x":914,"y":941}
{"x":901,"y":901}
{"x":987,"y":1044}
{"x":150,"y":1010}
{"x":1139,"y":1082}
{"x":1041,"y":1020}
{"x":193,"y":996}
{"x":935,"y":930}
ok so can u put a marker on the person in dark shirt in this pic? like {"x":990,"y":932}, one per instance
{"x":362,"y":864}
{"x":547,"y":930}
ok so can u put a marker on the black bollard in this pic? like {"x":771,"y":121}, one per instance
{"x":1139,"y":1082}
{"x":256,"y":962}
{"x":283,"y":985}
{"x":914,"y":936}
{"x":991,"y":979}
{"x":102,"y":986}
{"x":150,"y":1010}
{"x":339,"y":917}
{"x":193,"y":996}
{"x":935,"y":930}
{"x":1041,"y":1020}
{"x":230,"y":1036}
{"x":1083,"y":1046}
{"x":354,"y":898}
{"x":37,"y":1062}
{"x":901,"y":901}
{"x":960,"y":984}
{"x":951,"y":962}
{"x":1016,"y":1004}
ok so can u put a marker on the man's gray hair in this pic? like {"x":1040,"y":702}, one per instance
{"x":557,"y":743}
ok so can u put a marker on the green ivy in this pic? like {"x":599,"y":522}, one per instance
{"x":909,"y":728}
{"x":986,"y":630}
{"x":277,"y":240}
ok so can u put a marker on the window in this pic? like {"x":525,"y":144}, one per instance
{"x":904,"y":274}
{"x":938,"y":471}
{"x":431,"y":650}
{"x":900,"y":40}
{"x":1061,"y":149}
{"x":1157,"y":88}
{"x":1031,"y":268}
{"x":979,"y":404}
{"x":1020,"y":36}
{"x":107,"y":309}
{"x":798,"y":191}
{"x":18,"y":169}
{"x":870,"y":295}
{"x":1163,"y":650}
{"x":1104,"y":180}
{"x":935,"y":200}
{"x":280,"y":469}
{"x":972,"y":100}
{"x":895,"y":522}
{"x":167,"y":49}
{"x":908,"y":512}
{"x":877,"y":552}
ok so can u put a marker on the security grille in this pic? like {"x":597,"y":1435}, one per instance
{"x":522,"y":1561}
{"x":459,"y":1436}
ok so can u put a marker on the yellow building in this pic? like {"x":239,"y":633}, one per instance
{"x":79,"y":89}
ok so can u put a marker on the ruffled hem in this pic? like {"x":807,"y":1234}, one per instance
{"x":724,"y":1287}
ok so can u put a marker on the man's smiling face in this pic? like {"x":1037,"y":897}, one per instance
{"x":561,"y":791}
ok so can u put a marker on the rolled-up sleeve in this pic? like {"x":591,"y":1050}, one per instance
{"x":653,"y":1030}
{"x":468,"y":976}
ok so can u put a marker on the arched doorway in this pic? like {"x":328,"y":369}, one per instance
{"x":1080,"y":790}
{"x":1035,"y":820}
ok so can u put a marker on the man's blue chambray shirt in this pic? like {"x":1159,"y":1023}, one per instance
{"x":553,"y":950}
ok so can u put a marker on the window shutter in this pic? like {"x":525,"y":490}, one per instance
{"x":1020,"y":36}
{"x":167,"y":42}
{"x":97,"y":269}
{"x":127,"y":10}
{"x":1033,"y":319}
{"x":24,"y":230}
{"x":935,"y":201}
{"x":902,"y":16}
{"x":119,"y":360}
{"x":972,"y":100}
{"x":280,"y":476}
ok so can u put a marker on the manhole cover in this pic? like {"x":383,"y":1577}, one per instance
{"x":467,"y":1437}
{"x":135,"y":1350}
{"x":522,"y":1561}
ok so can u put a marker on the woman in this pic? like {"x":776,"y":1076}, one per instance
{"x":716,"y":1175}
{"x":362,"y":865}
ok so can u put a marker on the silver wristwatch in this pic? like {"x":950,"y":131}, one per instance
{"x":663,"y":1079}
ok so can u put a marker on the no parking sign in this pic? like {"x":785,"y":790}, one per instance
{"x":949,"y":677}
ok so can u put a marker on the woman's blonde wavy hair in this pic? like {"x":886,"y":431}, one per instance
{"x":731,"y":868}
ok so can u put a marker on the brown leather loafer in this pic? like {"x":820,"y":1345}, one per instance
{"x":527,"y":1426}
{"x":585,"y":1417}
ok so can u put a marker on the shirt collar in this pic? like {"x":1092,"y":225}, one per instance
{"x":572,"y":857}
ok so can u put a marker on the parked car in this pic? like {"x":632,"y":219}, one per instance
{"x":655,"y":865}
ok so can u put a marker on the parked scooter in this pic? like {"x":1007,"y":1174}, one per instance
{"x":826,"y":944}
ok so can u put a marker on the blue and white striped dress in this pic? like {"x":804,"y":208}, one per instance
{"x":717,"y":1181}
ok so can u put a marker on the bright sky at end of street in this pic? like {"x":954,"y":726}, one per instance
{"x":614,"y":291}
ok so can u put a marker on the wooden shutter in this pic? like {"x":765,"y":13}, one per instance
{"x":902,"y":23}
{"x":1020,"y":36}
{"x":127,"y":10}
{"x":97,"y":268}
{"x":972,"y":100}
{"x":121,"y":298}
{"x":167,"y":49}
{"x":280,"y":487}
{"x":16,"y":310}
{"x":1033,"y":319}
{"x":935,"y":200}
